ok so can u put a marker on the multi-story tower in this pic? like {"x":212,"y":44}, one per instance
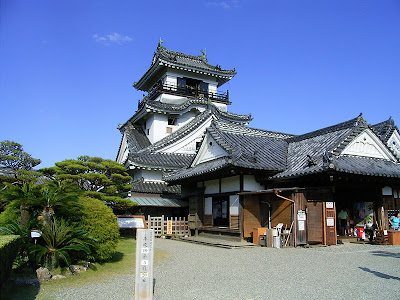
{"x":164,"y":133}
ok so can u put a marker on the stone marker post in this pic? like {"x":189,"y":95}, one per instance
{"x":144,"y":264}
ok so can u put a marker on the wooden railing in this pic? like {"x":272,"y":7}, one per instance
{"x":187,"y":91}
{"x":164,"y":226}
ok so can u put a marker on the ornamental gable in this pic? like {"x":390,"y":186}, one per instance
{"x":367,"y":144}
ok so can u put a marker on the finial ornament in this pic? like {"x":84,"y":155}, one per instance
{"x":160,"y":42}
{"x":204,"y":53}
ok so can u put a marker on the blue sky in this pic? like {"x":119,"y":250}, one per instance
{"x":67,"y":67}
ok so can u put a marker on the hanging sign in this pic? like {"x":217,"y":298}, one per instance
{"x":330,"y":222}
{"x":169,"y":226}
{"x":144,"y":264}
{"x":329,"y":204}
{"x":301,"y":215}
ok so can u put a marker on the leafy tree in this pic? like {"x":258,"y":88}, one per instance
{"x":13,"y":156}
{"x":100,"y":178}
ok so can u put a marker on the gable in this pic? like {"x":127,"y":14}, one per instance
{"x":123,"y":150}
{"x":394,"y":143}
{"x":369,"y":145}
{"x":187,"y":145}
{"x":209,"y":150}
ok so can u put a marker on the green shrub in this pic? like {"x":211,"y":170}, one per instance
{"x":12,"y":213}
{"x":9,"y":248}
{"x":101,"y":224}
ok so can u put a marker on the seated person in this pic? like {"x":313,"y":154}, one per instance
{"x":394,"y":221}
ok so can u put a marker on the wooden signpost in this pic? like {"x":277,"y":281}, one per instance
{"x":144,"y":264}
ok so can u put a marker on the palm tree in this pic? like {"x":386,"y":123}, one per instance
{"x":60,"y":239}
{"x":24,"y":195}
{"x":55,"y":194}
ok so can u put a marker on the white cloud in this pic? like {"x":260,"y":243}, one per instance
{"x":112,"y":38}
{"x":224,"y":4}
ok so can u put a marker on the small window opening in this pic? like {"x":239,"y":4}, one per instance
{"x":148,"y":131}
{"x":171,"y":121}
{"x":198,"y":144}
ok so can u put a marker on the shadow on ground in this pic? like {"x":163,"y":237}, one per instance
{"x":379,"y":274}
{"x":385,"y":254}
{"x":20,"y":289}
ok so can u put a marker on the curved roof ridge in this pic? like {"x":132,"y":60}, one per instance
{"x":171,"y":55}
{"x":234,"y":128}
{"x":356,"y":122}
{"x":199,"y":119}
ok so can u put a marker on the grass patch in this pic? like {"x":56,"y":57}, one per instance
{"x":122,"y":262}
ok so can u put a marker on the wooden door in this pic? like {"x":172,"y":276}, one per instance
{"x":315,"y":222}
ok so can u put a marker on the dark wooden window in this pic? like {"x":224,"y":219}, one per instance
{"x":171,"y":121}
{"x":181,"y":83}
{"x":204,"y":88}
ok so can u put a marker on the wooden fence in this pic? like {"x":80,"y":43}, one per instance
{"x":168,"y":226}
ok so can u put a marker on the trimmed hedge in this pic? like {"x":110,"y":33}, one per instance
{"x":9,"y":249}
{"x":101,"y":224}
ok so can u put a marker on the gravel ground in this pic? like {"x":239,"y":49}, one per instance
{"x":349,"y":271}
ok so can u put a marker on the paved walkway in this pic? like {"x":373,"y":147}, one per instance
{"x":349,"y":271}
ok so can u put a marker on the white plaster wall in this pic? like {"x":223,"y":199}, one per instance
{"x":209,"y":151}
{"x":234,"y":204}
{"x":394,"y":143}
{"x":150,"y":175}
{"x":230,"y":184}
{"x":187,"y":145}
{"x":123,"y":150}
{"x":369,"y":145}
{"x":186,"y":117}
{"x":221,"y":106}
{"x":250,"y":183}
{"x":157,"y":124}
{"x":212,"y":186}
{"x":209,"y":79}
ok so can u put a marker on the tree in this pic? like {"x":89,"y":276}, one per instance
{"x":100,"y":178}
{"x":13,"y":156}
{"x":24,"y":195}
{"x":60,"y":239}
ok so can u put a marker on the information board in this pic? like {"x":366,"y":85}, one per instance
{"x":144,"y":264}
{"x":131,"y":222}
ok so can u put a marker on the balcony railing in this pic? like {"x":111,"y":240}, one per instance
{"x":187,"y":91}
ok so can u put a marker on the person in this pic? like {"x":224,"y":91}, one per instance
{"x":394,"y":221}
{"x":343,"y":222}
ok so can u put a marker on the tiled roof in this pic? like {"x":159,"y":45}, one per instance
{"x":137,"y":139}
{"x":161,"y":160}
{"x":366,"y":166}
{"x":152,"y":187}
{"x":200,"y":169}
{"x":246,"y":147}
{"x":306,"y":152}
{"x":153,"y":156}
{"x":160,"y":107}
{"x":289,"y":155}
{"x":158,"y":201}
{"x":164,"y":58}
{"x":385,"y":129}
{"x":319,"y":150}
{"x":250,"y":147}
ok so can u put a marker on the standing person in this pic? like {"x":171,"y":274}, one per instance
{"x":394,"y":221}
{"x":343,"y":222}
